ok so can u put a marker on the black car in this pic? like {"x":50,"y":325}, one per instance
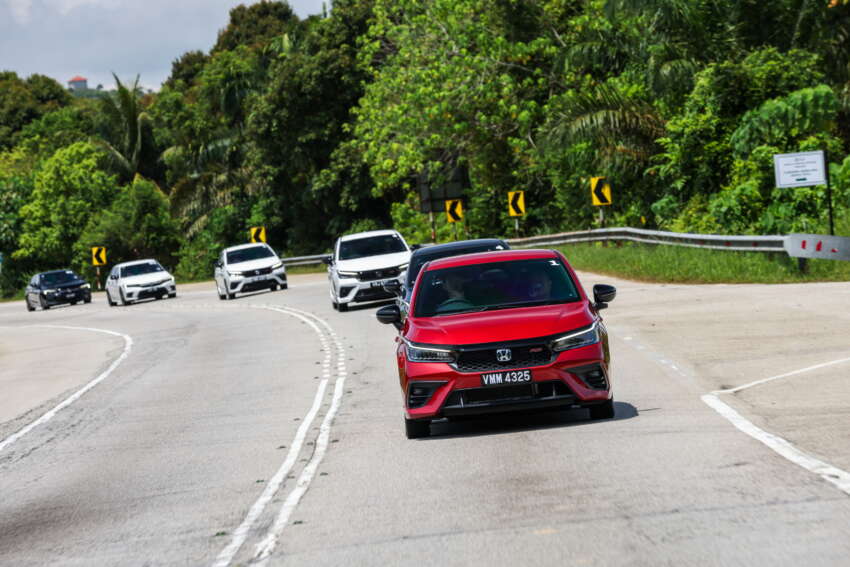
{"x":55,"y":288}
{"x":422,"y":256}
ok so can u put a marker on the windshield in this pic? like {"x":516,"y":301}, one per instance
{"x":416,"y":262}
{"x":248,"y":254}
{"x":371,"y":246}
{"x":494,"y":285}
{"x":141,"y":269}
{"x":58,"y":278}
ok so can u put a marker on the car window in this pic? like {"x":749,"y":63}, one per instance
{"x":248,"y":254}
{"x":58,"y":278}
{"x":141,"y":269}
{"x":494,"y":285}
{"x":371,"y":246}
{"x":416,"y":262}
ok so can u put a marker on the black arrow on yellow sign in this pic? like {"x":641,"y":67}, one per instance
{"x":258,"y":234}
{"x":516,"y":203}
{"x":600,"y":191}
{"x":98,"y":255}
{"x":454,"y":210}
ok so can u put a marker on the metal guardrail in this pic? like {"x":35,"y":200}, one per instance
{"x":710,"y":241}
{"x":304,"y":260}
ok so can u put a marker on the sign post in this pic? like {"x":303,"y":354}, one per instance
{"x":98,"y":259}
{"x":804,"y":169}
{"x":516,"y":207}
{"x":600,"y":196}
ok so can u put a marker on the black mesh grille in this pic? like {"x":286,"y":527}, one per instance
{"x":532,"y":391}
{"x":372,"y":275}
{"x":373,"y":294}
{"x":482,"y":360}
{"x":593,"y":376}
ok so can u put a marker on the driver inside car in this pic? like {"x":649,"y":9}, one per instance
{"x":456,"y":301}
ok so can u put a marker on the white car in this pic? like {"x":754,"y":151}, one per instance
{"x":248,"y":267}
{"x":129,"y":282}
{"x":362,"y":263}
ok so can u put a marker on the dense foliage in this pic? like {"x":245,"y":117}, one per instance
{"x":320,"y":126}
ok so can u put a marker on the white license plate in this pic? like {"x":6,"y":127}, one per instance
{"x":379,"y":284}
{"x":506,"y":377}
{"x":254,"y":279}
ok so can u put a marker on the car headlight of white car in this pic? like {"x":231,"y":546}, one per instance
{"x":235,"y":274}
{"x":347,"y":274}
{"x":278,"y":265}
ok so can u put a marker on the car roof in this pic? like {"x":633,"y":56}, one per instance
{"x":249,"y":245}
{"x":134,"y":262}
{"x":493,"y":256}
{"x":367,"y":234}
{"x":460,"y":245}
{"x":55,"y":272}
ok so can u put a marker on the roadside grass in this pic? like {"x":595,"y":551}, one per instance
{"x":678,"y":264}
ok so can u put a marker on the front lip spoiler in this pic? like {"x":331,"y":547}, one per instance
{"x":505,"y":406}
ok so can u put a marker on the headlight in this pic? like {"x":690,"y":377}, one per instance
{"x":238,"y":274}
{"x":85,"y":286}
{"x":347,"y":274}
{"x":421,"y":354}
{"x":403,"y":267}
{"x":278,"y":265}
{"x":49,"y":291}
{"x":578,"y":338}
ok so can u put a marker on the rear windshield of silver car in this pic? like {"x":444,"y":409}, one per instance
{"x":494,"y":285}
{"x":248,"y":254}
{"x":371,"y":246}
{"x":141,"y":269}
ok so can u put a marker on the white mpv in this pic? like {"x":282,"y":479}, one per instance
{"x":129,"y":282}
{"x":362,"y":263}
{"x":248,"y":267}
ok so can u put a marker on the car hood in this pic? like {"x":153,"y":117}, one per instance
{"x":68,"y":285}
{"x":143,"y":279}
{"x":258,"y":264}
{"x":500,"y":326}
{"x":373,"y":262}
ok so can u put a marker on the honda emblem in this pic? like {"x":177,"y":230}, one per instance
{"x":503,"y":355}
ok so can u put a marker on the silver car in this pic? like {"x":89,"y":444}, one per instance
{"x":248,"y":267}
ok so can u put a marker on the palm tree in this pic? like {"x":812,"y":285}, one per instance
{"x":127,"y":127}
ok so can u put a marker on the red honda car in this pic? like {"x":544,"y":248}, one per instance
{"x":499,"y":332}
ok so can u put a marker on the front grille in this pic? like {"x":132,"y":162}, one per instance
{"x":482,"y":360}
{"x":533,"y":391}
{"x":373,"y":294}
{"x":260,"y":272}
{"x":372,"y":275}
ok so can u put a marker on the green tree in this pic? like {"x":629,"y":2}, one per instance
{"x":70,"y":188}
{"x":127,"y":134}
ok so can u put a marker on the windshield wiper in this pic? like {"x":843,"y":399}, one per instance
{"x":522,"y":304}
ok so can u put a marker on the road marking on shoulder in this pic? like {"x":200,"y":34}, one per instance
{"x":267,"y":546}
{"x":780,"y":376}
{"x":128,"y":345}
{"x":241,"y":533}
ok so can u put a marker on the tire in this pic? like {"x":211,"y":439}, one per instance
{"x":29,"y":306}
{"x":172,"y":295}
{"x":230,"y":295}
{"x":335,"y":305}
{"x":44,"y":304}
{"x":273,"y":287}
{"x":417,"y":428}
{"x":73,"y":303}
{"x":87,"y":299}
{"x":343,"y":307}
{"x":122,"y":298}
{"x":109,"y":300}
{"x":602,"y":411}
{"x":284,"y":286}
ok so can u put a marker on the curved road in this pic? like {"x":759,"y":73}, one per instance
{"x":268,"y":430}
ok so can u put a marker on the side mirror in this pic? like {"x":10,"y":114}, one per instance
{"x":393,"y":286}
{"x":218,"y":263}
{"x":327,"y":260}
{"x":603,"y":294}
{"x":389,"y":315}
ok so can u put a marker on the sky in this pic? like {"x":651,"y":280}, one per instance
{"x":93,"y":38}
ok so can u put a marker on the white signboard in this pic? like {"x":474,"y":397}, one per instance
{"x":803,"y":169}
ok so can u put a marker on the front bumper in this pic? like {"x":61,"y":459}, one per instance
{"x":562,"y":383}
{"x":352,"y":290}
{"x":243,"y":284}
{"x":63,"y":297}
{"x":155,"y":291}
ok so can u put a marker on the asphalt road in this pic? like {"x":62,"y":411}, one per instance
{"x":268,"y":430}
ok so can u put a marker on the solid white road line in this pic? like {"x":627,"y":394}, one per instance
{"x":829,"y":473}
{"x":128,"y":345}
{"x":266,"y":547}
{"x":241,"y":533}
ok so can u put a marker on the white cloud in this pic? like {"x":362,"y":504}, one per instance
{"x":21,"y":10}
{"x":65,"y":6}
